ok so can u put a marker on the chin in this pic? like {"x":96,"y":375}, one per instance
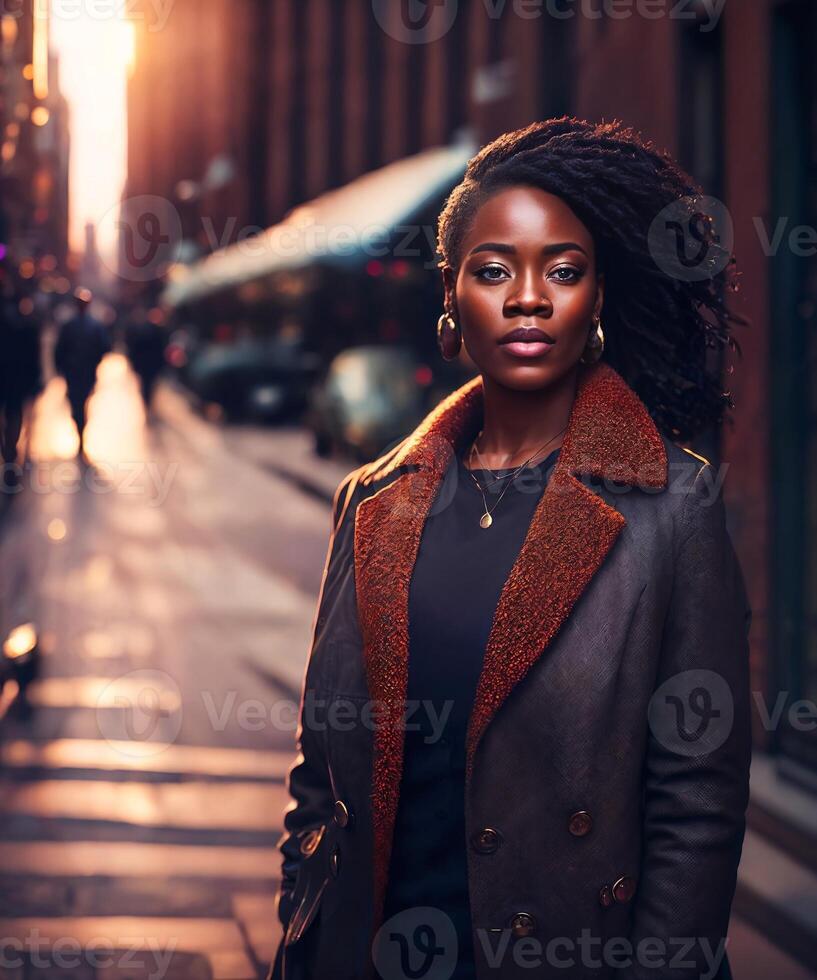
{"x":526,"y":377}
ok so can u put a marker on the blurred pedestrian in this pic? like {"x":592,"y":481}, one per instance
{"x":82,"y":343}
{"x":20,"y":367}
{"x":145,"y":342}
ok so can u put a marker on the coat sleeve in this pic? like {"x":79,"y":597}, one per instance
{"x":308,"y":782}
{"x":696,"y":773}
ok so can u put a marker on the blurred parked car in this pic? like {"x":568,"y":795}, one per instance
{"x":263,"y":379}
{"x":180,"y":350}
{"x":373,"y":396}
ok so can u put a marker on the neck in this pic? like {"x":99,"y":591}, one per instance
{"x":518,"y":423}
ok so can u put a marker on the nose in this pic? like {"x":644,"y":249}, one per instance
{"x":527,"y":298}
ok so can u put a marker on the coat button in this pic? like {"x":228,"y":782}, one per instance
{"x":606,"y":896}
{"x":486,"y":841}
{"x":624,"y":889}
{"x":334,"y":861}
{"x":342,"y":815}
{"x":580,"y":823}
{"x":523,"y":924}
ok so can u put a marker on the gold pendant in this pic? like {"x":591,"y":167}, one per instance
{"x":486,"y":520}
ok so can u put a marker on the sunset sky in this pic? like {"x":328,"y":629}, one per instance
{"x":95,"y":54}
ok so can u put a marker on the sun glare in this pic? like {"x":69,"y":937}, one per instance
{"x":95,"y":57}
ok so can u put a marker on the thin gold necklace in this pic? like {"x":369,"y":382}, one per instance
{"x":496,"y":479}
{"x":487,"y":520}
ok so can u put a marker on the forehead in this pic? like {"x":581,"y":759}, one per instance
{"x":523,"y":214}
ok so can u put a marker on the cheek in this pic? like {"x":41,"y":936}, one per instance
{"x":479,"y":309}
{"x":575,"y":311}
{"x":577,"y":302}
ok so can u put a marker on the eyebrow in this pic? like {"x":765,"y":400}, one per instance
{"x":547,"y":249}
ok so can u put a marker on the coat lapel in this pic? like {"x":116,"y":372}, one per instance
{"x":610,"y":435}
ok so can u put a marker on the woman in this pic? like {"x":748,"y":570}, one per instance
{"x":524,"y":736}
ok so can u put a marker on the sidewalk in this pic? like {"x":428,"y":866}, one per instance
{"x":285,"y":451}
{"x":142,"y":785}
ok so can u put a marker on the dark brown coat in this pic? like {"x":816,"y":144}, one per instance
{"x":608,"y":748}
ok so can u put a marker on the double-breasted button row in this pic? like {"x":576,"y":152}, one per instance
{"x":580,"y":823}
{"x":624,"y":889}
{"x":621,"y":891}
{"x":342,"y":814}
{"x":522,"y":924}
{"x":486,"y":841}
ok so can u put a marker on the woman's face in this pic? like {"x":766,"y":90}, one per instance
{"x":527,"y":262}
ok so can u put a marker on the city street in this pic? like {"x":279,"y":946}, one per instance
{"x":292,"y":229}
{"x":142,"y":792}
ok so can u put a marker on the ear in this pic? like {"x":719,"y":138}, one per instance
{"x":450,"y":289}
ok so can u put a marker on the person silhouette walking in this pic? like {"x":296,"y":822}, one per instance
{"x":82,"y":343}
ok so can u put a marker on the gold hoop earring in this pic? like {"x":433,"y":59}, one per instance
{"x":449,"y":336}
{"x":595,"y":345}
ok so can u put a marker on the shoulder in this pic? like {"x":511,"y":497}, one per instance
{"x":359,"y":483}
{"x":694,"y":493}
{"x":683,"y":466}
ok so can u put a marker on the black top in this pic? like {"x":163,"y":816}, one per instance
{"x":457,"y":579}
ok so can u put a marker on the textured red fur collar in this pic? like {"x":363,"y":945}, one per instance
{"x":610,"y":435}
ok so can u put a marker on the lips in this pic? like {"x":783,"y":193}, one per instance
{"x":526,"y":335}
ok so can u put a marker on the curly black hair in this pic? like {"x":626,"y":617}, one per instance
{"x":664,"y":314}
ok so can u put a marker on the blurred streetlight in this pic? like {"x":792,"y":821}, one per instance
{"x":21,"y":654}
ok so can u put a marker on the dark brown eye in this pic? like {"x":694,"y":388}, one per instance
{"x":571,"y":273}
{"x":482,"y":273}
